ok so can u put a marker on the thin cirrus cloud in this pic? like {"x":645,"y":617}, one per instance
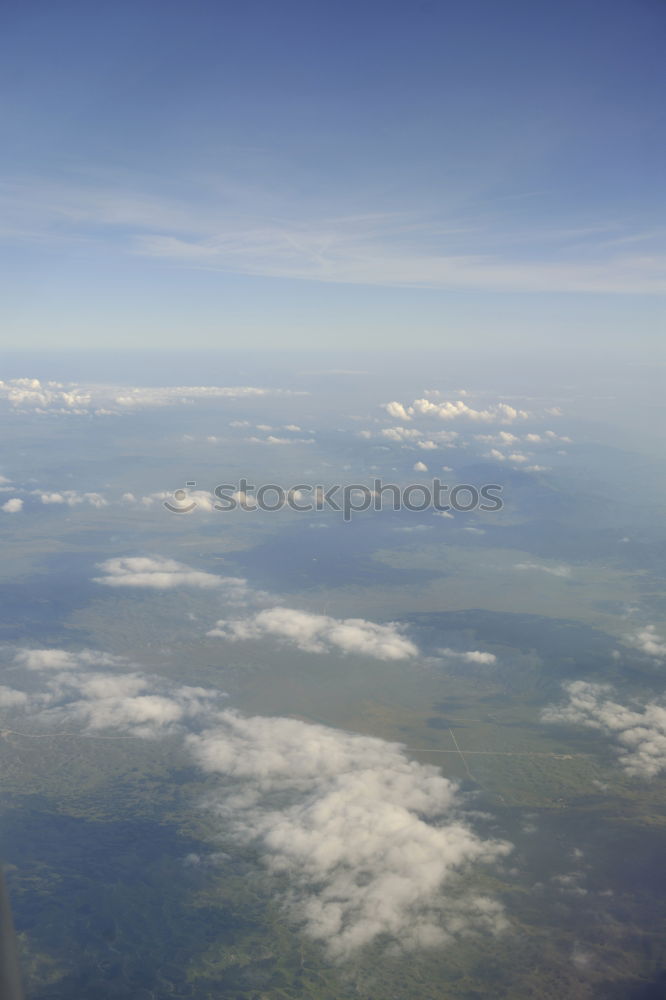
{"x":561,"y":570}
{"x":374,"y":845}
{"x":315,"y":633}
{"x":336,"y":257}
{"x":371,"y":248}
{"x":639,"y":729}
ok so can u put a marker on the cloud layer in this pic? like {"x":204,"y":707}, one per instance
{"x":74,"y":398}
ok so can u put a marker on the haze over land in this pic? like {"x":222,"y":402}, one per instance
{"x":333,"y":605}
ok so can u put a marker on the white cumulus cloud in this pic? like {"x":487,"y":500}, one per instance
{"x":13,"y":505}
{"x":469,"y":656}
{"x":639,"y":729}
{"x":91,"y":691}
{"x":163,"y":574}
{"x":72,"y":498}
{"x":320,"y":633}
{"x":373,"y":843}
{"x":454,"y":410}
{"x":648,"y":641}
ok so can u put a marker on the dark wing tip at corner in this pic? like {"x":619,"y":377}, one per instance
{"x":10,"y":973}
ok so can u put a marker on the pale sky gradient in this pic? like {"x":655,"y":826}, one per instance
{"x":215,"y":174}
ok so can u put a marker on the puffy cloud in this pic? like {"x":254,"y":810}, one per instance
{"x":320,"y":633}
{"x":11,"y":698}
{"x":516,"y":456}
{"x":562,"y":571}
{"x":61,"y":659}
{"x":128,"y":703}
{"x":72,"y":498}
{"x":88,"y":690}
{"x":453,"y":410}
{"x":373,"y":843}
{"x":30,"y":393}
{"x":13,"y":506}
{"x":420,"y":467}
{"x":639,"y":729}
{"x":506,"y":438}
{"x":648,"y":641}
{"x":203,"y":500}
{"x":400,"y":433}
{"x":397,"y":410}
{"x":410,"y":435}
{"x":471,"y":656}
{"x":52,"y":497}
{"x":163,"y":574}
{"x":502,"y":437}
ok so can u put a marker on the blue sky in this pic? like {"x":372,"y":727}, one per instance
{"x":218,"y":174}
